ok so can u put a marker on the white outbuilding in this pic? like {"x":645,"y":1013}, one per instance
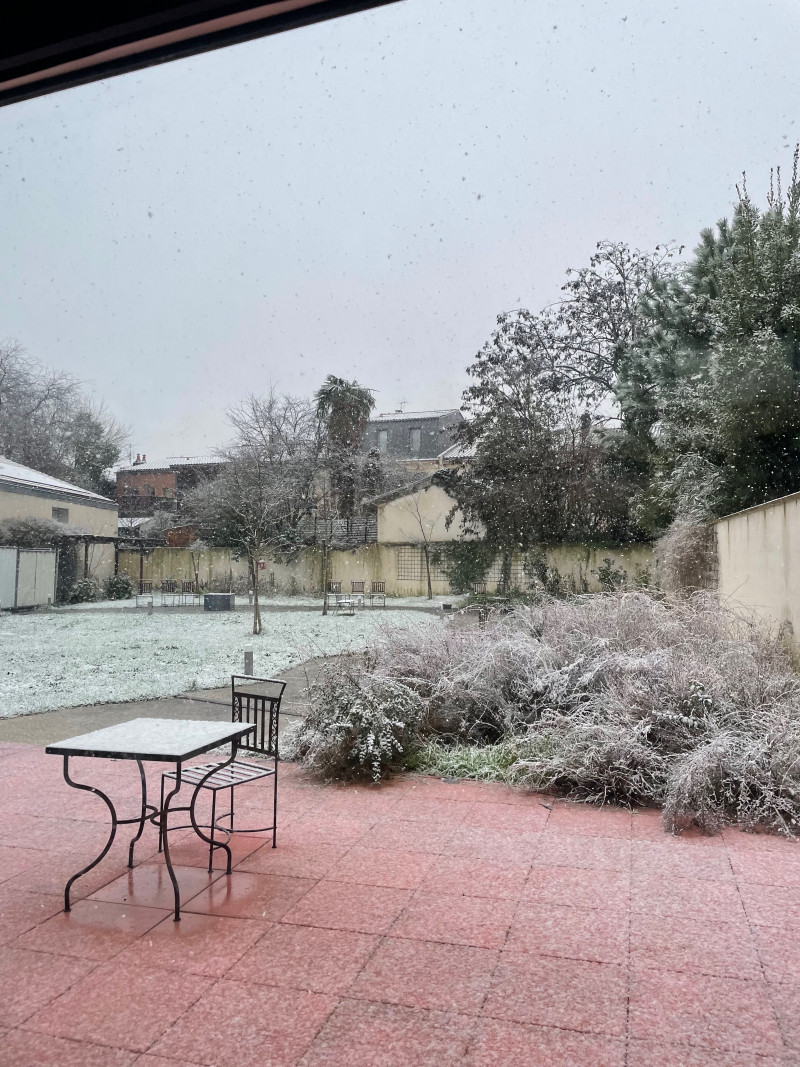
{"x":28,"y":576}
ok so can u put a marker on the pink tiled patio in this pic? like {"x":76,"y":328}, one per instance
{"x":423,"y":922}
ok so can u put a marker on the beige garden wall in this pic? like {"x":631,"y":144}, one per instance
{"x":758,"y":558}
{"x":400,"y":566}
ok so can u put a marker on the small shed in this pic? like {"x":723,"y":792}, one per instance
{"x":27,"y":577}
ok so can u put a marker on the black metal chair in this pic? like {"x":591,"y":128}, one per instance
{"x":377,"y":591}
{"x":257,"y":701}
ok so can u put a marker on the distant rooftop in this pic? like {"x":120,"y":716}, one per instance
{"x":404,"y":416}
{"x":26,"y":477}
{"x":458,"y":451}
{"x":170,"y":462}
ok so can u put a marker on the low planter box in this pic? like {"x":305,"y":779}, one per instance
{"x":218,"y":602}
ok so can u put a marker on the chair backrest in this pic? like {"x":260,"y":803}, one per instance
{"x":187,"y":587}
{"x":145,"y":587}
{"x":357,"y":587}
{"x":334,"y":587}
{"x":378,"y":587}
{"x":479,"y":588}
{"x":258,"y":701}
{"x":169,"y":585}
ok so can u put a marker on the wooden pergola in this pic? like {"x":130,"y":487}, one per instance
{"x":47,"y":47}
{"x":142,"y":545}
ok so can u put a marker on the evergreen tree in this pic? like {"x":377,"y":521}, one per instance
{"x":714,"y":385}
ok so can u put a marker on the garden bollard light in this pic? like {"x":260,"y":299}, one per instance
{"x":248,"y":661}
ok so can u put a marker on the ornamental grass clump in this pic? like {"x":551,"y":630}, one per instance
{"x":613,"y":697}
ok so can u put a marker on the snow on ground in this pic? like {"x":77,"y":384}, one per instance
{"x":64,"y":659}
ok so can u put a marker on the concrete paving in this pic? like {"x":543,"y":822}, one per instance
{"x":207,"y":704}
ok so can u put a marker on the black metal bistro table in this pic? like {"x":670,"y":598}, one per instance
{"x":157,"y":741}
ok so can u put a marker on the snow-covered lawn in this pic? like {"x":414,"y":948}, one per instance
{"x":63,"y":659}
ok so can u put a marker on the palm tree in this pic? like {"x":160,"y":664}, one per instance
{"x":343,"y":408}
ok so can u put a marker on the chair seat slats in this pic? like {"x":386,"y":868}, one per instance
{"x":236,"y":773}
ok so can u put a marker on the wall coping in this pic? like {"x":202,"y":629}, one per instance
{"x":779,"y":500}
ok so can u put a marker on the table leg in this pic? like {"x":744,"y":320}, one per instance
{"x":164,"y":830}
{"x":111,"y":836}
{"x":143,"y":818}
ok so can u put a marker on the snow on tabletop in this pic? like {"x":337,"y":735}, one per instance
{"x":65,"y":659}
{"x":172,"y":738}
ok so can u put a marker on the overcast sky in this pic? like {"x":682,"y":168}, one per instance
{"x":363,"y":197}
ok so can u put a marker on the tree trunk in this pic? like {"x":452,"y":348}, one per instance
{"x":325,"y":576}
{"x":256,"y":606}
{"x":505,"y":573}
{"x":426,"y":553}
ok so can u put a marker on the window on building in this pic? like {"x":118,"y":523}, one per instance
{"x":383,"y":440}
{"x":60,"y":514}
{"x":414,"y":437}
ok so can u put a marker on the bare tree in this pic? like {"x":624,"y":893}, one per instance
{"x":266,"y":486}
{"x":48,"y":423}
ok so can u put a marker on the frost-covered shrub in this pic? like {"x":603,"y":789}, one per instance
{"x":118,"y":587}
{"x":617,"y":696}
{"x":360,"y":724}
{"x":83,"y":590}
{"x":34,"y":533}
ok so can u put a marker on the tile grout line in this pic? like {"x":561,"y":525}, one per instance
{"x":755,"y":943}
{"x":480,"y":1013}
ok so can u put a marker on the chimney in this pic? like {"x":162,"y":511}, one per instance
{"x":137,"y":460}
{"x":144,"y":458}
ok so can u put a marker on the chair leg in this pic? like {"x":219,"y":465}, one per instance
{"x":275,"y":807}
{"x":160,"y":822}
{"x":213,"y":827}
{"x":231,"y":809}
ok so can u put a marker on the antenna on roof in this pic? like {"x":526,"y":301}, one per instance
{"x":402,"y":405}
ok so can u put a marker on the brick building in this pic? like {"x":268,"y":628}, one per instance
{"x":144,"y":488}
